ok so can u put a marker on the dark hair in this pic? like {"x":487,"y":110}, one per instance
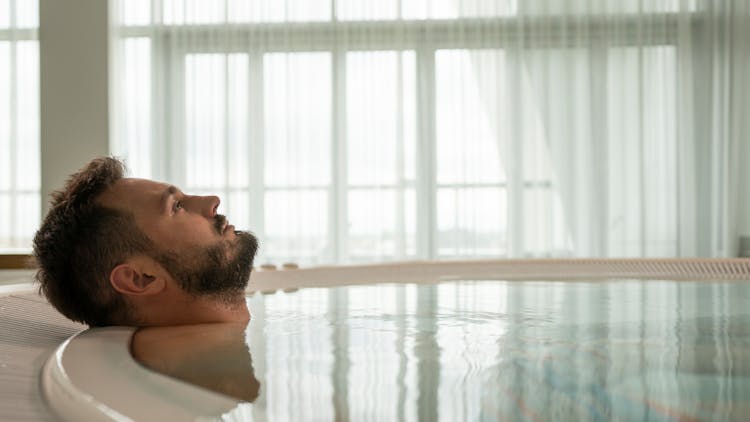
{"x":80,"y":241}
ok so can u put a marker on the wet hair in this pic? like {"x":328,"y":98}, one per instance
{"x":80,"y":241}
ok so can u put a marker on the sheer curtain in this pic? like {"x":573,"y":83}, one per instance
{"x":19,"y":124}
{"x":350,"y":131}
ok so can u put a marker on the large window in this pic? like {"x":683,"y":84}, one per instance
{"x":350,"y":131}
{"x":19,"y":124}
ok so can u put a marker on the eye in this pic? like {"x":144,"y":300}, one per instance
{"x":177,"y":206}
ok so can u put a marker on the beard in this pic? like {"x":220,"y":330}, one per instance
{"x":220,"y":272}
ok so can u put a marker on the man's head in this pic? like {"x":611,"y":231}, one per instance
{"x":114,"y":250}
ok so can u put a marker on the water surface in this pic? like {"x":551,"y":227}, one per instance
{"x":480,"y":350}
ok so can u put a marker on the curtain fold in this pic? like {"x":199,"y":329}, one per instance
{"x":355,"y":131}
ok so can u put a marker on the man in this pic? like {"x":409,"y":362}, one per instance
{"x":123,"y":251}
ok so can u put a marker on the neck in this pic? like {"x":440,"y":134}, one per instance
{"x":188,"y":310}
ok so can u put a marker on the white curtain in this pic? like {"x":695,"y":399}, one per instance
{"x":349,"y":131}
{"x":19,"y":124}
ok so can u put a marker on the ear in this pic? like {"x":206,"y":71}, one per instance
{"x":135,"y":278}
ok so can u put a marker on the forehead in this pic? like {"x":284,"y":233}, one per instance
{"x":135,"y":195}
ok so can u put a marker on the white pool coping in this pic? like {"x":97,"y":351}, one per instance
{"x":92,"y":376}
{"x":428,"y":272}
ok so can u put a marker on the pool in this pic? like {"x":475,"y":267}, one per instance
{"x":525,"y":341}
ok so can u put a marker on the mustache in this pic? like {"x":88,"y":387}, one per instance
{"x":219,"y":222}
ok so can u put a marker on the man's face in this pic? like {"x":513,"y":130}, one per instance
{"x":203,"y":253}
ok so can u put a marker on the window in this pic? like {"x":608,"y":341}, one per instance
{"x":380,"y":154}
{"x":471,"y":177}
{"x":355,"y":131}
{"x":19,"y":124}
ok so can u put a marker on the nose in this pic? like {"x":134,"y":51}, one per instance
{"x":212,"y":204}
{"x":205,"y":205}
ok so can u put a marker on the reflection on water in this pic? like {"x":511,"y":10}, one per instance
{"x":489,"y":350}
{"x":212,"y":356}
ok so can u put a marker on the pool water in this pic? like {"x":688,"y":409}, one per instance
{"x":476,"y":350}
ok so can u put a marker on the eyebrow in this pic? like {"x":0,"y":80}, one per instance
{"x":171,"y":190}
